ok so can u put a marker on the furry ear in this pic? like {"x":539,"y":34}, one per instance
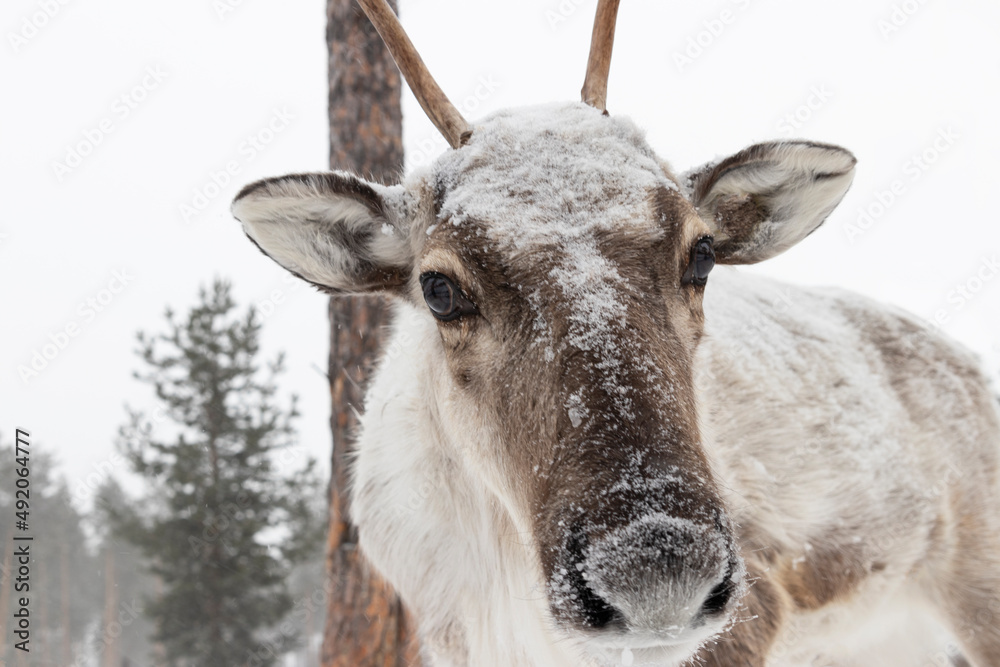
{"x":335,"y":230}
{"x":768,"y":197}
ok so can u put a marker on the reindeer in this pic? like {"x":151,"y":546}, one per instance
{"x":615,"y":458}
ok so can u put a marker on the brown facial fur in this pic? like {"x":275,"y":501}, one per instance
{"x":570,"y":470}
{"x":737,"y":217}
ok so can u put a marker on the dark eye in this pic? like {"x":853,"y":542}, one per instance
{"x":444,"y":299}
{"x":701,"y":264}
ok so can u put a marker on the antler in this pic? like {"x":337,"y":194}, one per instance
{"x":436,"y":105}
{"x":595,"y":86}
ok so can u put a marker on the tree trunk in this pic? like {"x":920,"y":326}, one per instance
{"x":64,"y":580}
{"x":110,"y":609}
{"x":159,"y":650}
{"x":366,"y":623}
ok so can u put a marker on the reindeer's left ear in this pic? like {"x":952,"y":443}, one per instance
{"x":768,"y":197}
{"x":335,"y":230}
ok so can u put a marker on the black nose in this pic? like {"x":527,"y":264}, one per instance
{"x":719,"y":596}
{"x":595,"y":611}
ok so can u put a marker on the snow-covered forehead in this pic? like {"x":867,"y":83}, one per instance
{"x":549,"y":174}
{"x":564,"y":201}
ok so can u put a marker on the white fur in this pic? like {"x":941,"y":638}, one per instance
{"x":429,"y":523}
{"x":291,"y":221}
{"x":438,"y":533}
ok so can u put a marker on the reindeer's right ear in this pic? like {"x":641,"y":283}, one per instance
{"x":334,"y":230}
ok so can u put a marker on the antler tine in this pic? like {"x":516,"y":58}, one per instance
{"x":436,"y":105}
{"x":595,"y":86}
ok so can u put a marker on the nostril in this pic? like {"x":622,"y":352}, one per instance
{"x":596,"y":612}
{"x":719,"y":597}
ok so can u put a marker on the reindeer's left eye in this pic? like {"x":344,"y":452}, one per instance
{"x":701,"y":264}
{"x":444,"y":299}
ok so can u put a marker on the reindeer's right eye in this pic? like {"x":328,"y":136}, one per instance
{"x":444,"y":299}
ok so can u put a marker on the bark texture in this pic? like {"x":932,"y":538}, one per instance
{"x":366,"y":623}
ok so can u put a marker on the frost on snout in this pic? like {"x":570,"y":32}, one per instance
{"x":652,"y":558}
{"x":662,"y":573}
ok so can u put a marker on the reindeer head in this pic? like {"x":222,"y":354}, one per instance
{"x":563,"y":266}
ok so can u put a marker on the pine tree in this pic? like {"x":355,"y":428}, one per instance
{"x":221,"y":526}
{"x":61,"y":591}
{"x":123,"y":635}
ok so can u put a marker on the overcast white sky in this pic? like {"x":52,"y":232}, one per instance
{"x":890,"y":80}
